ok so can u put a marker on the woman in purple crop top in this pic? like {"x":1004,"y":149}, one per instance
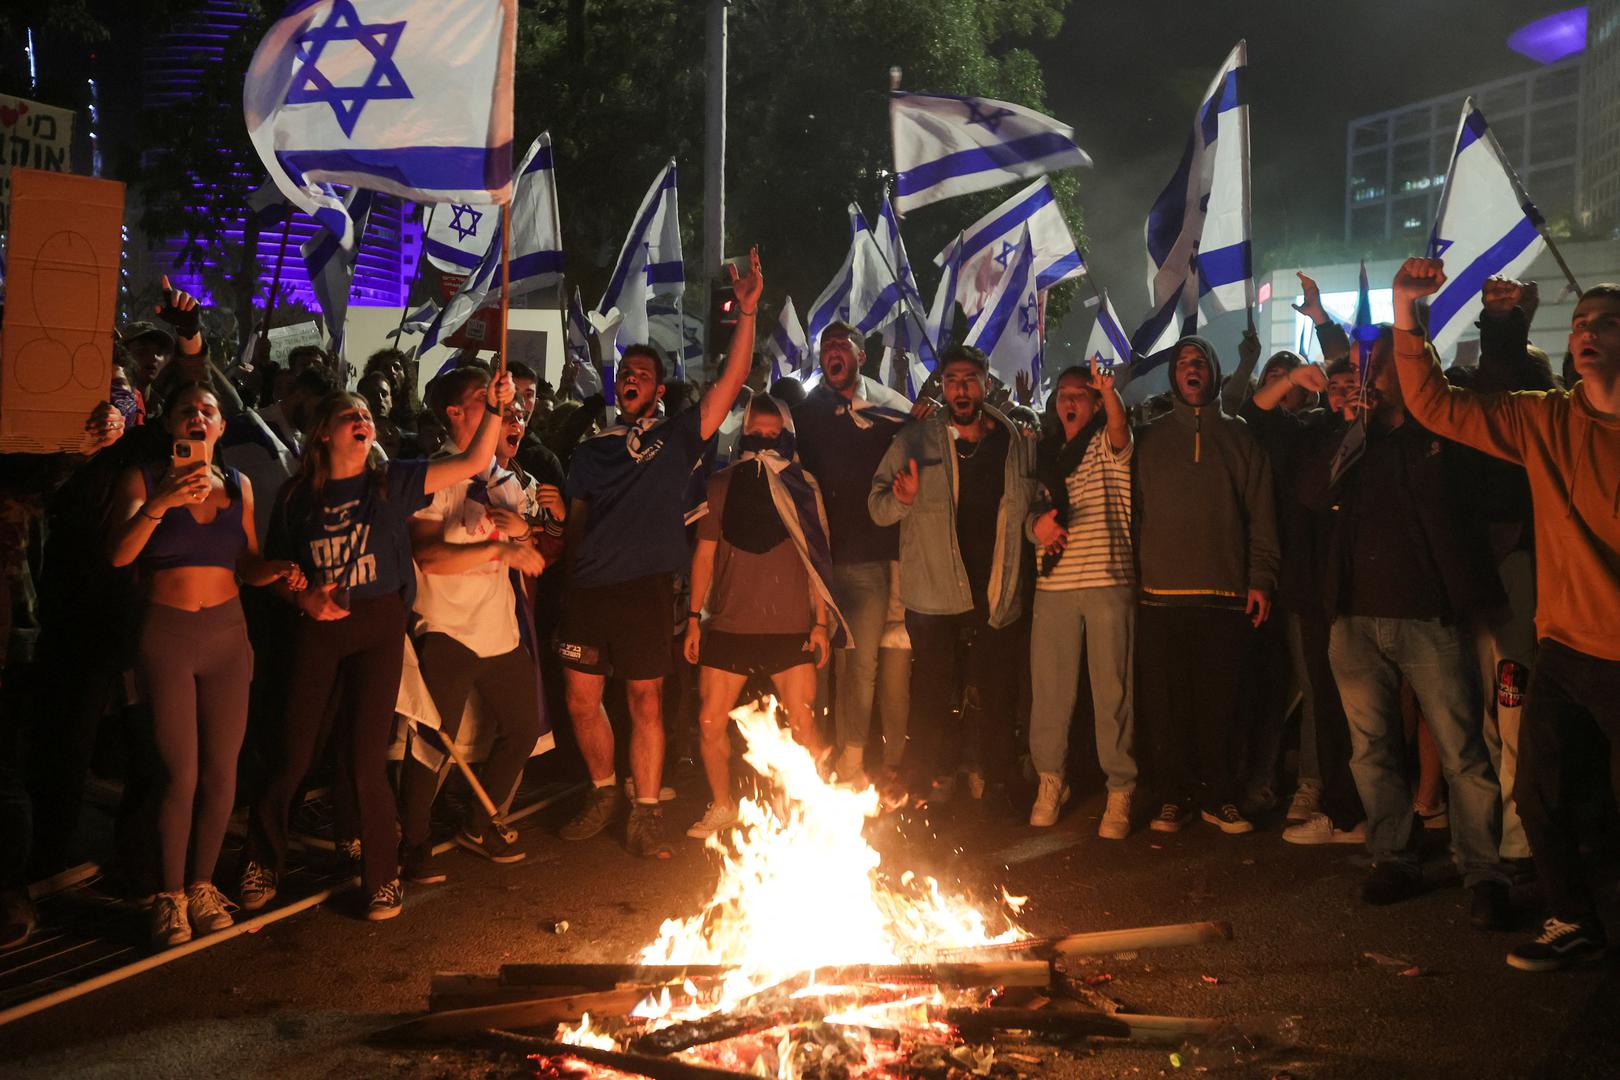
{"x":189,"y":531}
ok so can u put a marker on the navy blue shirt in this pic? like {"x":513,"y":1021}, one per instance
{"x":354,"y":536}
{"x":843,"y":457}
{"x":636,"y":483}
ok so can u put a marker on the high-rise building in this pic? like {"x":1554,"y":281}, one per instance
{"x":1396,"y":161}
{"x":1600,"y":119}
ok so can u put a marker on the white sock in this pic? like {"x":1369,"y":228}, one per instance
{"x":610,"y":780}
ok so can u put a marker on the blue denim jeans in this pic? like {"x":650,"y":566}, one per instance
{"x":861,"y":591}
{"x":1369,"y":657}
{"x":1101,"y":621}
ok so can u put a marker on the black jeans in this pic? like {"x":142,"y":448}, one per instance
{"x":1573,"y":703}
{"x":506,"y":684}
{"x":982,"y":733}
{"x":365,"y":651}
{"x":1190,"y":663}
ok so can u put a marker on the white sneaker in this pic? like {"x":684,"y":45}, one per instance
{"x":169,"y":925}
{"x":665,"y":793}
{"x":1318,"y":829}
{"x":718,"y":816}
{"x":1307,"y":801}
{"x":207,"y":908}
{"x":1049,"y":799}
{"x":1116,"y":819}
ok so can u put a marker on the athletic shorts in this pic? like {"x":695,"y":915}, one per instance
{"x":625,"y":630}
{"x":754,"y":654}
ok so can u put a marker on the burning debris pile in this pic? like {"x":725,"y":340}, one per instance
{"x":810,"y":959}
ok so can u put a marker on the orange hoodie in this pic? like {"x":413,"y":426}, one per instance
{"x":1572,"y":456}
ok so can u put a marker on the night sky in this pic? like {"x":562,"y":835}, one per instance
{"x":1127,"y":74}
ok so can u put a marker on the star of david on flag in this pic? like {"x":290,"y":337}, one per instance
{"x":454,"y":240}
{"x":945,"y":146}
{"x":411,"y":97}
{"x":1008,"y":327}
{"x":984,"y":249}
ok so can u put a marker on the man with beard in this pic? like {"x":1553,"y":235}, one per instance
{"x":1085,"y":594}
{"x":1209,"y":561}
{"x":959,"y":484}
{"x":627,"y":540}
{"x":845,"y":425}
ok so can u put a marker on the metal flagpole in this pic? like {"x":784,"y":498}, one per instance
{"x":506,"y":280}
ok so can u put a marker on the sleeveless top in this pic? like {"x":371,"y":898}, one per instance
{"x":181,"y":540}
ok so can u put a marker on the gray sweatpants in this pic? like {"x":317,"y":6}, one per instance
{"x":194,"y":668}
{"x":1102,"y":621}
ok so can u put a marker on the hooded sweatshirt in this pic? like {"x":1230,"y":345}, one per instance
{"x":1571,"y":454}
{"x":1205,"y":503}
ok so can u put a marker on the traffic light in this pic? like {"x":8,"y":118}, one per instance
{"x":722,"y":318}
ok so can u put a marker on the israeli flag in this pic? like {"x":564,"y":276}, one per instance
{"x":1148,"y":373}
{"x":942,"y":313}
{"x":331,"y":265}
{"x":418,"y":321}
{"x":535,"y":257}
{"x":649,"y":263}
{"x":1198,"y":234}
{"x":984,"y":250}
{"x":458,"y":234}
{"x":945,"y":146}
{"x":864,"y":293}
{"x":268,"y":206}
{"x":1108,"y":346}
{"x":1009,"y":327}
{"x":907,"y":334}
{"x":787,"y":347}
{"x":412,"y":97}
{"x":1485,"y":225}
{"x":577,"y":342}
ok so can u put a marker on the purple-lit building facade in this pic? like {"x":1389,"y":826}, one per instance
{"x":391,"y":245}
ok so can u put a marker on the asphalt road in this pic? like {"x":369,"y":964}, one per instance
{"x":299,"y":998}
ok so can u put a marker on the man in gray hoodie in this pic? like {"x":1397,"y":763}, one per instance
{"x":1209,"y":561}
{"x":960,"y":483}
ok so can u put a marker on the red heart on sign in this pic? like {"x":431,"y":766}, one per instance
{"x":10,"y":116}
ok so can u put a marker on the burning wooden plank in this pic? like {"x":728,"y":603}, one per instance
{"x":953,"y":974}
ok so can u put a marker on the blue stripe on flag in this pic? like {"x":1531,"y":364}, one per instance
{"x":1169,"y":211}
{"x":981,"y":159}
{"x":616,"y":283}
{"x":666,"y":273}
{"x":1463,"y":289}
{"x":536,"y":263}
{"x":1059,"y":270}
{"x":444,"y":168}
{"x":1473,"y":129}
{"x":1233,"y":93}
{"x":1116,"y":336}
{"x":1224,"y":266}
{"x":451,"y":254}
{"x":1006,"y":222}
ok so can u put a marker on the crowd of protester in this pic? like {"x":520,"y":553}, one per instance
{"x":1373,"y":595}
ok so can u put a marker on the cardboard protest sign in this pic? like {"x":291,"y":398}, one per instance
{"x":61,"y":294}
{"x":284,"y":339}
{"x":32,"y":136}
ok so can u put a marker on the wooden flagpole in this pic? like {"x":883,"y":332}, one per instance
{"x":506,"y":281}
{"x":275,"y":281}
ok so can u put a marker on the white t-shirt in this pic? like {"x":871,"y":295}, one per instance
{"x":478,"y":607}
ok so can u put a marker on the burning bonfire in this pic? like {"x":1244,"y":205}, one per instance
{"x":811,"y":959}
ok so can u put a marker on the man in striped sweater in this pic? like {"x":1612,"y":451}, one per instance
{"x":1085,"y":592}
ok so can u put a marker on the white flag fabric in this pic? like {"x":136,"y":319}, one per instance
{"x":1485,"y":225}
{"x":411,"y":97}
{"x":535,"y":257}
{"x":458,"y":234}
{"x":864,"y":293}
{"x":649,"y":263}
{"x":1108,"y":346}
{"x":1198,"y":234}
{"x":984,"y":249}
{"x":945,"y":146}
{"x":1009,"y":328}
{"x":942,"y":312}
{"x":787,"y":346}
{"x":907,"y":331}
{"x":331,"y":265}
{"x":418,"y":321}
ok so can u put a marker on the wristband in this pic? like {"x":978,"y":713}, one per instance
{"x":698,"y":615}
{"x":149,"y":517}
{"x":745,"y":311}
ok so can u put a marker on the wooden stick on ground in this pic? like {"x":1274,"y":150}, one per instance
{"x":655,"y":1068}
{"x":1171,"y":1029}
{"x":457,"y":1023}
{"x":979,"y":1021}
{"x":1102,"y":942}
{"x":965,"y":973}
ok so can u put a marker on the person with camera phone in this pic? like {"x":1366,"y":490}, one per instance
{"x":345,"y":519}
{"x":187,"y":527}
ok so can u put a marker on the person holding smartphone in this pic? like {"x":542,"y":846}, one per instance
{"x":187,"y":526}
{"x":344,"y":518}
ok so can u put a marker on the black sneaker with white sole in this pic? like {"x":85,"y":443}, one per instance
{"x":1170,"y":818}
{"x":418,"y":865}
{"x":491,"y":841}
{"x":1559,"y":945}
{"x":257,"y":886}
{"x":1229,"y":819}
{"x":386,"y":902}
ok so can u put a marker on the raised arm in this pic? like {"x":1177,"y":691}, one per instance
{"x":1487,"y":422}
{"x":135,"y":513}
{"x":1236,"y":388}
{"x":1116,"y":425}
{"x":1308,"y":376}
{"x":722,"y":393}
{"x":442,"y":472}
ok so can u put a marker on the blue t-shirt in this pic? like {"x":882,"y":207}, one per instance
{"x":636,"y":483}
{"x":357,"y":538}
